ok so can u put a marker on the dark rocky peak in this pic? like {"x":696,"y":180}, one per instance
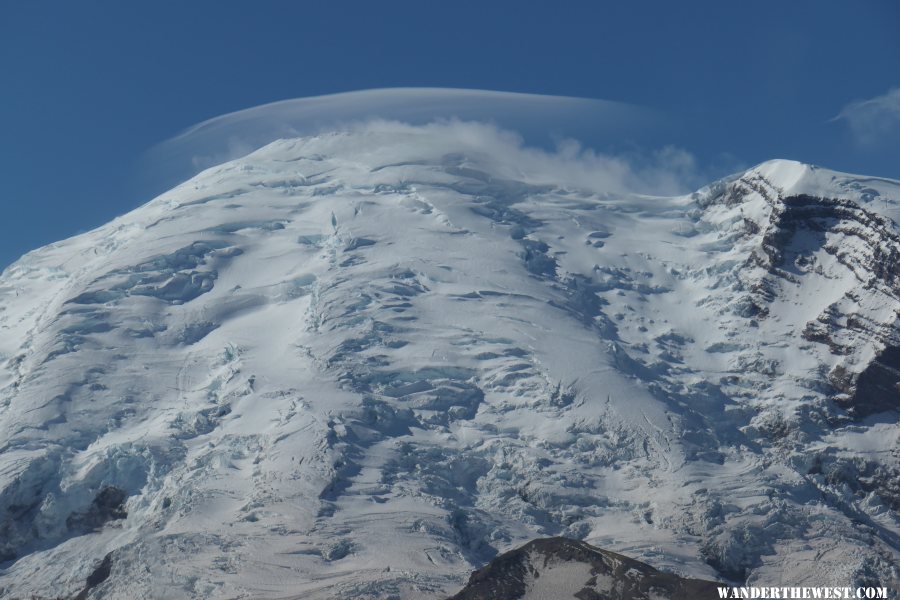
{"x":561,"y":568}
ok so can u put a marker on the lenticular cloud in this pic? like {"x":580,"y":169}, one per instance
{"x":540,"y":120}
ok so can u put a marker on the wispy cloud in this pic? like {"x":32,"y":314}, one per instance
{"x":872,"y":122}
{"x":504,"y":154}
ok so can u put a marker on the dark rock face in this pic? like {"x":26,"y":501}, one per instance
{"x":881,"y":245}
{"x":878,"y":387}
{"x":874,"y":260}
{"x":108,"y":505}
{"x":799,"y":228}
{"x":97,"y":576}
{"x":510,"y":576}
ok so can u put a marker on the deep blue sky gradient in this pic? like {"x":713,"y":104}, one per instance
{"x":86,"y":87}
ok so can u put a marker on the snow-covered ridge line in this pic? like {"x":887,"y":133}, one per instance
{"x":359,"y":364}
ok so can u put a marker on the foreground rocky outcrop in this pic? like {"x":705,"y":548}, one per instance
{"x":562,"y":568}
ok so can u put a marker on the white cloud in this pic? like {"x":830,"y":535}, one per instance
{"x":873,"y":121}
{"x":505,"y":154}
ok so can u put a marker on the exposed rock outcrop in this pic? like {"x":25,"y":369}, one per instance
{"x":566,"y":568}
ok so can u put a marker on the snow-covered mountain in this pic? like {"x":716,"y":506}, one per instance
{"x":361,"y":364}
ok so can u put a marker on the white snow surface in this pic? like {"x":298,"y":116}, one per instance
{"x":359,"y":364}
{"x":559,"y":580}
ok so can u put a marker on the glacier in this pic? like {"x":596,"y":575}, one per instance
{"x":362,"y":363}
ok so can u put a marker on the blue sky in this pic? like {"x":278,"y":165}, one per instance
{"x":87,"y":87}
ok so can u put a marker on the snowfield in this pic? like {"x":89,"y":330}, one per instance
{"x":361,"y":364}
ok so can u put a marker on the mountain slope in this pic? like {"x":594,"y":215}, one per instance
{"x":359,"y":364}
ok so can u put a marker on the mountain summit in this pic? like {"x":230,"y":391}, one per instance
{"x":362,"y":364}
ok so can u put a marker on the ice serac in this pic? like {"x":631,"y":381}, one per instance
{"x":363,"y":364}
{"x":563,"y":568}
